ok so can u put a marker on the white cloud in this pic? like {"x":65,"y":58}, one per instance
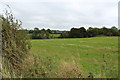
{"x":64,"y":14}
{"x":89,"y":1}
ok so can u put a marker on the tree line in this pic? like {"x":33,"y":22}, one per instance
{"x":74,"y":33}
{"x":91,"y":32}
{"x":44,"y":34}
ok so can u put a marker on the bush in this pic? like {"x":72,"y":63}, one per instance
{"x":15,"y":45}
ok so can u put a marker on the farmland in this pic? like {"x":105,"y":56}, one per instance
{"x":76,"y":57}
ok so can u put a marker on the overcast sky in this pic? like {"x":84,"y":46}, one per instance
{"x":64,"y":14}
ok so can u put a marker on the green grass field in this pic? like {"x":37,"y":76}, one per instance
{"x":77,"y":57}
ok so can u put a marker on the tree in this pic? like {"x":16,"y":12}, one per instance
{"x":36,"y":33}
{"x":31,"y":31}
{"x":44,"y":34}
{"x":92,"y":32}
{"x":114,"y":31}
{"x":78,"y":32}
{"x":49,"y":31}
{"x":74,"y":33}
{"x":40,"y":34}
{"x":65,"y":35}
{"x":83,"y":32}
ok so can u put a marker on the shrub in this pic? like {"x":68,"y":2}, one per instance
{"x":15,"y":44}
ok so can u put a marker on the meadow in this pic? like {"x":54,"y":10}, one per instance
{"x":76,"y":57}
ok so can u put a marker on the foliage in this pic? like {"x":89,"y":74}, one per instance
{"x":15,"y":44}
{"x":74,"y":33}
{"x":64,"y":35}
{"x":78,"y":33}
{"x":41,"y":34}
{"x":92,"y":32}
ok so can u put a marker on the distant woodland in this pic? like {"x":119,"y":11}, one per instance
{"x":73,"y":33}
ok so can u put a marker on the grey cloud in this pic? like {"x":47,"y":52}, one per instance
{"x":64,"y":15}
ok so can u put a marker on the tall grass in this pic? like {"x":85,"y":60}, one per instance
{"x":15,"y":45}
